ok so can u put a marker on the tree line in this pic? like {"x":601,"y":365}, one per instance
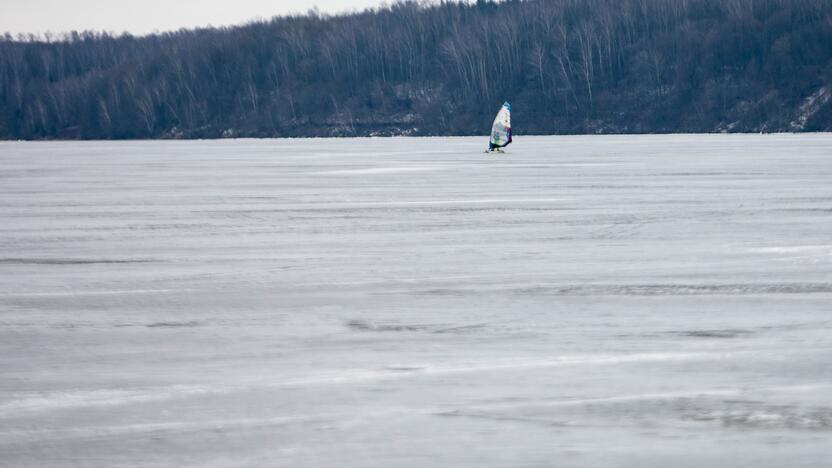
{"x":436,"y":68}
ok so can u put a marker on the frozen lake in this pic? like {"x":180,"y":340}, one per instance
{"x":599,"y":301}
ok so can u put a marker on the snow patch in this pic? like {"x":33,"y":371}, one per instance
{"x":378,"y":170}
{"x":810,"y":106}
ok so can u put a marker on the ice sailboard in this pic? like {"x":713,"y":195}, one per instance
{"x":501,"y":129}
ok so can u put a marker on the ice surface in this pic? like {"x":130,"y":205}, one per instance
{"x":620,"y":301}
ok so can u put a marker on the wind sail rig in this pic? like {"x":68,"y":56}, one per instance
{"x":501,"y":129}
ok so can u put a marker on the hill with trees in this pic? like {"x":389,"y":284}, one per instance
{"x":417,"y":68}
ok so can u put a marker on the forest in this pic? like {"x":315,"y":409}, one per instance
{"x":435,"y":68}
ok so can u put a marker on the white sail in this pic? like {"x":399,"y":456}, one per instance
{"x":501,"y":129}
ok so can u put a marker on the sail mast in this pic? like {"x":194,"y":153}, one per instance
{"x":501,"y":128}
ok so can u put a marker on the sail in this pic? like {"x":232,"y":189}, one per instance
{"x":501,"y":129}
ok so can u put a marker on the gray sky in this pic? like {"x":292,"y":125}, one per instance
{"x":144,"y":16}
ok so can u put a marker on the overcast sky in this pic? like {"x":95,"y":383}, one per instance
{"x":144,"y":16}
